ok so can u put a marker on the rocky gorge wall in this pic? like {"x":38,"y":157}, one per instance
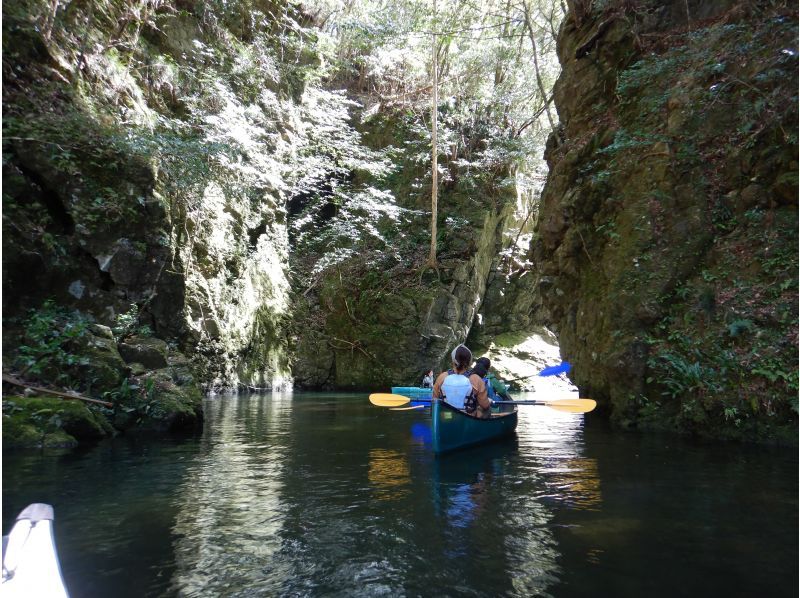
{"x":375,"y":317}
{"x":187,"y":208}
{"x":666,"y":243}
{"x":148,"y":154}
{"x":169,"y":224}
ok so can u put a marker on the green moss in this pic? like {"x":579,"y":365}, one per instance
{"x":154,"y":402}
{"x":19,"y":433}
{"x":31,"y":422}
{"x":510,"y":339}
{"x":677,"y":301}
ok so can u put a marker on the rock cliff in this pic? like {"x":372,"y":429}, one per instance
{"x":666,"y":243}
{"x":369,"y":314}
{"x":148,"y":159}
{"x":149,"y":151}
{"x":182,"y":200}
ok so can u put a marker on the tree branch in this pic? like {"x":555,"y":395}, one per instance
{"x":63,"y":395}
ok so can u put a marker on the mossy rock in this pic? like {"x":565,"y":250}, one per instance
{"x":104,"y":365}
{"x":158,"y":404}
{"x":510,"y":339}
{"x":18,"y":433}
{"x":150,"y":352}
{"x":84,"y":424}
{"x":36,"y":422}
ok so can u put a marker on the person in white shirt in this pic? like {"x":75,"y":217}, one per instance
{"x":462,"y":390}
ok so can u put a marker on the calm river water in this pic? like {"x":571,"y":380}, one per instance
{"x":325,"y":495}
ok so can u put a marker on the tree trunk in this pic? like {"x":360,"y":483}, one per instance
{"x":579,"y":10}
{"x":434,"y":161}
{"x":539,"y":84}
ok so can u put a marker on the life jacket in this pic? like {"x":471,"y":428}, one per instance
{"x":489,"y":390}
{"x":458,"y":392}
{"x":497,"y":387}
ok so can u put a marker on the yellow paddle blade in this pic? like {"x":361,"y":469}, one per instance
{"x":573,"y":405}
{"x":388,"y":400}
{"x":408,"y":408}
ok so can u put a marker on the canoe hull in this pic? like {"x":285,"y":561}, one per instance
{"x":453,"y":429}
{"x":30,"y":561}
{"x":412,"y":392}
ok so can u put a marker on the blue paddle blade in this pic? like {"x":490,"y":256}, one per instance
{"x":555,"y":370}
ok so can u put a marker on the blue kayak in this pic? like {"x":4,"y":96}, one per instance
{"x":412,"y":392}
{"x":453,"y":429}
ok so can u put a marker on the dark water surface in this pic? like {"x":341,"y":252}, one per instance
{"x":323,"y":494}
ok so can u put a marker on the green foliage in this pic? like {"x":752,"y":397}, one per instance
{"x":625,"y":140}
{"x":139,"y":398}
{"x":738,"y":327}
{"x":682,"y":377}
{"x":122,"y":395}
{"x":49,"y":339}
{"x":127,"y":324}
{"x":774,"y":371}
{"x":609,"y":230}
{"x":491,"y":113}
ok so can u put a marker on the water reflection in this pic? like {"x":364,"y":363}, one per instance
{"x":388,"y":474}
{"x":556,"y":443}
{"x":496,"y":501}
{"x":230,"y":514}
{"x":552,"y":473}
{"x":325,"y":495}
{"x":463,"y":483}
{"x":421,"y":433}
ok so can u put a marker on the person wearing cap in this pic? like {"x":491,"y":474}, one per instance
{"x":461,"y":388}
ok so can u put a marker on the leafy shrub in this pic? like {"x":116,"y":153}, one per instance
{"x":48,"y":341}
{"x":127,"y":324}
{"x":737,"y":327}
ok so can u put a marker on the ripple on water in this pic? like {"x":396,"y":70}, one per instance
{"x":338,"y":498}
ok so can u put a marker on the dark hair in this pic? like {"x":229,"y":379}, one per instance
{"x":462,"y":357}
{"x":482,"y":367}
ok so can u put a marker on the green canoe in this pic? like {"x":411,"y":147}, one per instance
{"x":453,"y":429}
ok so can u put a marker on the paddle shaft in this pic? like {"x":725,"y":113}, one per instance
{"x":493,"y":403}
{"x":564,"y":404}
{"x":525,"y":402}
{"x":518,"y":379}
{"x":554,"y":401}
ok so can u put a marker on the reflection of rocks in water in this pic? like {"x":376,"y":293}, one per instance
{"x":531,"y":552}
{"x":388,"y":474}
{"x":227,"y":529}
{"x":551,"y":473}
{"x":485,"y":516}
{"x":577,"y":483}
